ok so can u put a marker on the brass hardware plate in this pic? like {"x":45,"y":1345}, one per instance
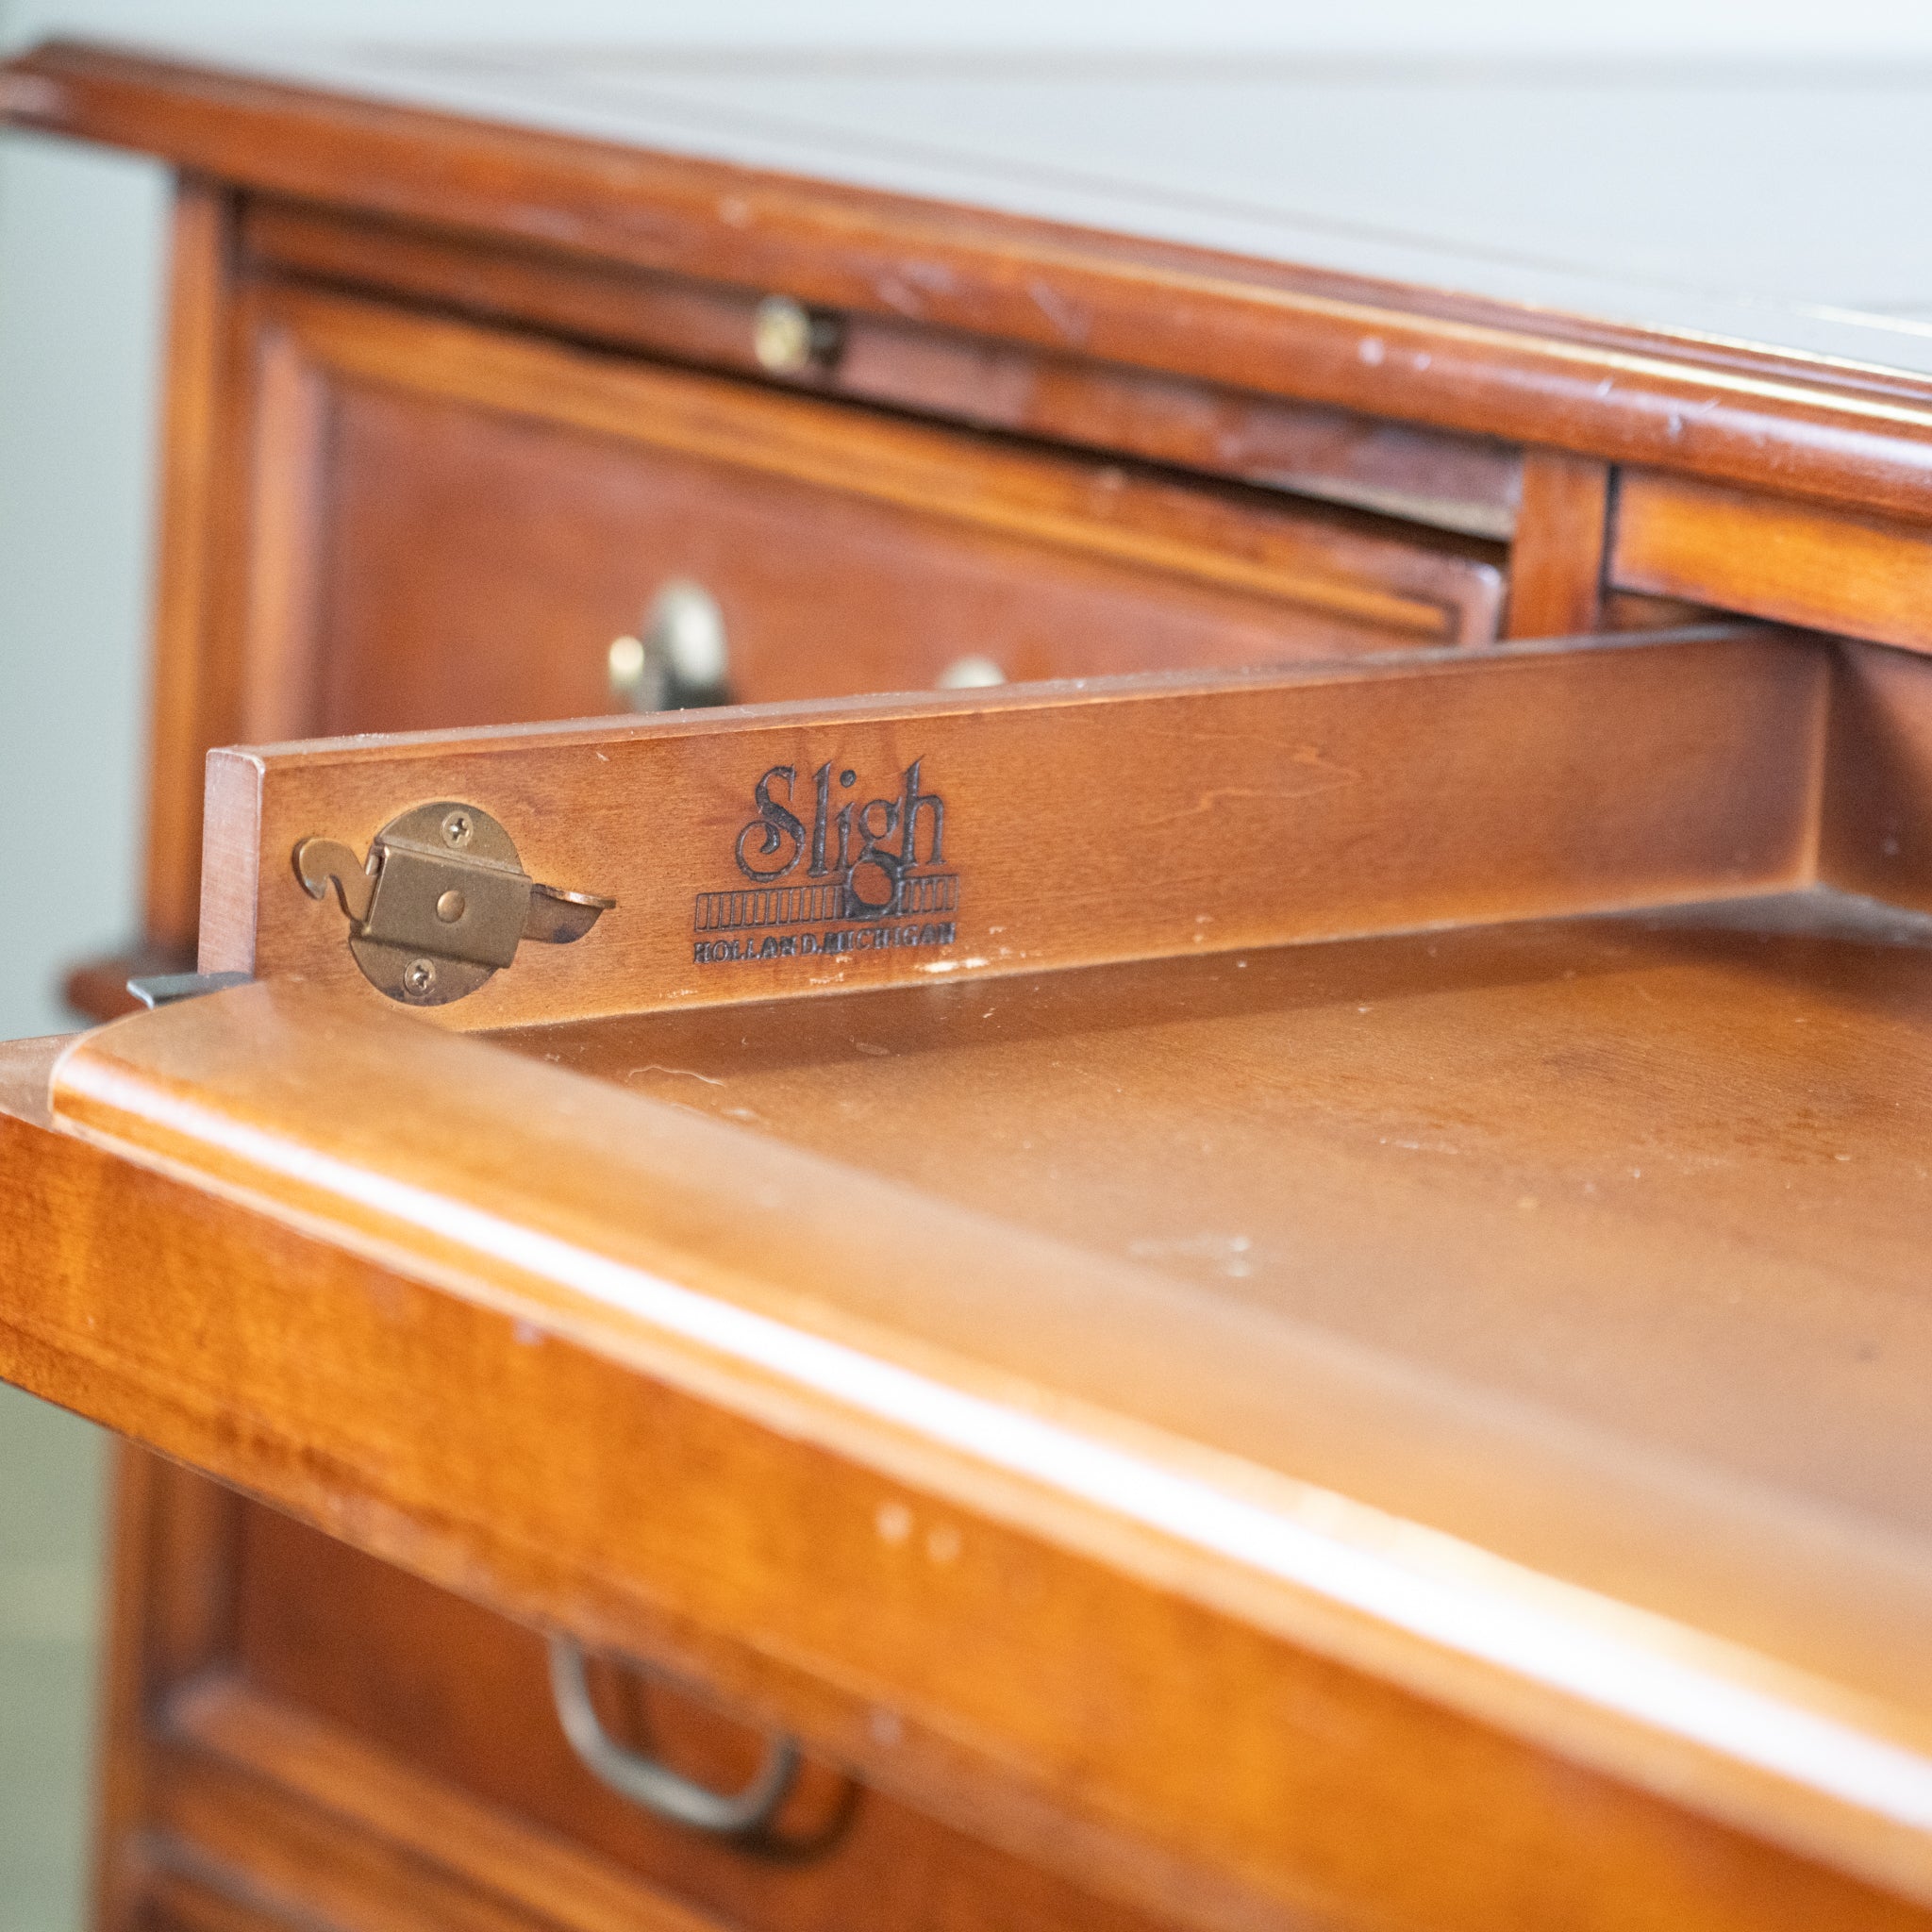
{"x":441,"y":902}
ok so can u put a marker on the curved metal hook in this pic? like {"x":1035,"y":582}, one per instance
{"x":320,"y":862}
{"x":655,"y":1786}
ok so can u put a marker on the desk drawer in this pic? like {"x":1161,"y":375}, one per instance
{"x":447,"y":1710}
{"x":452,"y":524}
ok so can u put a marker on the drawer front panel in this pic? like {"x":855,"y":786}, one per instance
{"x":477,"y":567}
{"x":451,"y":526}
{"x":1439,"y":477}
{"x":463,"y":1696}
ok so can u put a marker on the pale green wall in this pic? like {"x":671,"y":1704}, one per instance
{"x":78,"y":265}
{"x":50,"y":1507}
{"x":79,"y":284}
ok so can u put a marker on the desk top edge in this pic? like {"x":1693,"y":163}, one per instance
{"x":1549,"y":363}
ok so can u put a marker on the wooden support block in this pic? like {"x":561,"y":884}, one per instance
{"x":793,"y":849}
{"x":1557,"y":563}
{"x":1875,"y":835}
{"x":1805,"y":563}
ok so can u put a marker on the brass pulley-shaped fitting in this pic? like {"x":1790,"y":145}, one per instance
{"x":441,"y":902}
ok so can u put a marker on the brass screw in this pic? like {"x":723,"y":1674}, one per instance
{"x":451,"y":908}
{"x":457,"y":828}
{"x":420,"y":977}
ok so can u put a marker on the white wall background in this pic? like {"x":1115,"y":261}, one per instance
{"x":80,"y":289}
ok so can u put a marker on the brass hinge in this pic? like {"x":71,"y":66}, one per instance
{"x":441,"y":902}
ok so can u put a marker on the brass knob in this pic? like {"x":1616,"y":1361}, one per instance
{"x":682,"y":660}
{"x":788,"y":338}
{"x":969,"y":674}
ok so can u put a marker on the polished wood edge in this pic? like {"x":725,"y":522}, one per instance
{"x":185,"y":670}
{"x":181,"y":1892}
{"x":1434,"y":478}
{"x":248,"y":1846}
{"x":892,"y":708}
{"x":1647,"y":1699}
{"x":220,"y":1728}
{"x":331,"y":1398}
{"x":1814,"y":426}
{"x":235,"y":1731}
{"x":187,"y":1893}
{"x":267,"y":1802}
{"x":27,"y":1067}
{"x":1670,"y":769}
{"x":342,"y":1479}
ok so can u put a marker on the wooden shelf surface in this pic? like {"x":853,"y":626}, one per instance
{"x":1668,"y":1175}
{"x":1528,"y":1314}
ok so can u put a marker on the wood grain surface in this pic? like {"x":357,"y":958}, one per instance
{"x":476,"y":560}
{"x":1876,"y":833}
{"x":186,"y":715}
{"x":338,"y":1657}
{"x":1433,"y":477}
{"x":1417,"y":1431}
{"x":1112,"y":819}
{"x":1702,"y":1587}
{"x":1776,"y":558}
{"x":1427,"y":586}
{"x":1556,"y":564}
{"x":424,"y":1480}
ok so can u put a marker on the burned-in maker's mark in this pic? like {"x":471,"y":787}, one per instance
{"x":866,"y":885}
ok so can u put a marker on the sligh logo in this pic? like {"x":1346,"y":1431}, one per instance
{"x":876,"y":863}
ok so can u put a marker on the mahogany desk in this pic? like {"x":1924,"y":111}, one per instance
{"x":1417,"y":1430}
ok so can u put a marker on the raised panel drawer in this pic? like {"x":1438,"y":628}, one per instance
{"x":452,"y":524}
{"x":348,"y":1676}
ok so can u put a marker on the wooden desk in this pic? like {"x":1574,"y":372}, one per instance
{"x":469,"y":363}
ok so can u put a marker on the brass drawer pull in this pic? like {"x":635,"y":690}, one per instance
{"x":682,"y":660}
{"x":659,"y":1789}
{"x":788,"y":338}
{"x":970,"y":674}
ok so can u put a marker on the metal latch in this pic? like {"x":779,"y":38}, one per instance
{"x":441,"y":902}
